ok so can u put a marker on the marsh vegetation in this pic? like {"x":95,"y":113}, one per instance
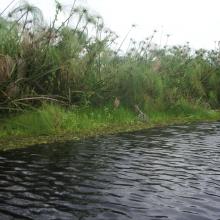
{"x":77,"y":70}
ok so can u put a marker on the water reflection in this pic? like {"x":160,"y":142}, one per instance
{"x":170,"y":173}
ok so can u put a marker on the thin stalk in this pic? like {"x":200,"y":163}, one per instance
{"x":71,"y":13}
{"x":7,"y":7}
{"x":68,"y":19}
{"x":17,"y":21}
{"x":25,"y":22}
{"x":77,"y":25}
{"x":84,"y":28}
{"x":124,"y":39}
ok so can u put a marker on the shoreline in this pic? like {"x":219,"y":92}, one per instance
{"x":18,"y":142}
{"x":63,"y":82}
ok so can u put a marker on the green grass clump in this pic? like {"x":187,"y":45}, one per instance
{"x":43,"y":121}
{"x":91,"y":118}
{"x":52,"y":119}
{"x":55,"y":120}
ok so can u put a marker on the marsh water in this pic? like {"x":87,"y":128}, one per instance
{"x":166,"y":173}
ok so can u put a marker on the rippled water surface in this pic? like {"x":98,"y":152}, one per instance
{"x":169,"y":173}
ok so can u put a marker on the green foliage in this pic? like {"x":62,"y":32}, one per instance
{"x":46,"y":120}
{"x":52,"y":119}
{"x":76,"y":66}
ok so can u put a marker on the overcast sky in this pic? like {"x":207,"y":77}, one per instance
{"x":196,"y":21}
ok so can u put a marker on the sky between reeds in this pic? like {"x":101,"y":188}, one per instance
{"x":177,"y":21}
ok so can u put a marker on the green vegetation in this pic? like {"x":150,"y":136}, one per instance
{"x":51,"y":123}
{"x":50,"y":119}
{"x":79,"y":67}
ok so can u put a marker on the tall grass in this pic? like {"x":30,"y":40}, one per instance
{"x":53,"y":119}
{"x":74,"y":64}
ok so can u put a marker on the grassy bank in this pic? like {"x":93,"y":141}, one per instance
{"x":79,"y":64}
{"x":52,"y":123}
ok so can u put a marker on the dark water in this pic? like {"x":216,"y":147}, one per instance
{"x":169,"y":173}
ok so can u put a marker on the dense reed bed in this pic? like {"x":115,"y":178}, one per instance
{"x":79,"y":65}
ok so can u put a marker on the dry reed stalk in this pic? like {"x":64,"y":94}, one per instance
{"x":7,"y":65}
